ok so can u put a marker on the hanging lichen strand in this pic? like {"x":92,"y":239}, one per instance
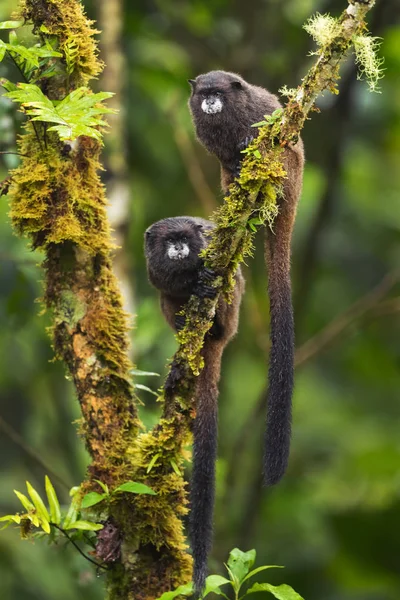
{"x":58,"y":201}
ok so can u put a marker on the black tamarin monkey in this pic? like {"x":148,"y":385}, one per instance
{"x":172,"y":248}
{"x":223,"y":107}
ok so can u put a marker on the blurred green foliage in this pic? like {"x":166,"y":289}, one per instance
{"x":333,"y":521}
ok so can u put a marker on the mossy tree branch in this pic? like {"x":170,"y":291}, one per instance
{"x":262,"y":171}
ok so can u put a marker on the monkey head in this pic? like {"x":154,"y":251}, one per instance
{"x":216,"y":93}
{"x":172,"y":248}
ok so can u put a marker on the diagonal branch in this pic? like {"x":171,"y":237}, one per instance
{"x":232,"y":239}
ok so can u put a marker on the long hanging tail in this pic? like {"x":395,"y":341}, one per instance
{"x":281,"y":361}
{"x":205,"y":440}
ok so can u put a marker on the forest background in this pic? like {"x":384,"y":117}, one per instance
{"x":333,"y":521}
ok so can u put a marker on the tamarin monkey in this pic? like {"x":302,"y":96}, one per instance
{"x":172,"y":248}
{"x":224,"y":107}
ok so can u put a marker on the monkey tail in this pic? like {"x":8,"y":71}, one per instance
{"x":202,"y":489}
{"x":281,"y":361}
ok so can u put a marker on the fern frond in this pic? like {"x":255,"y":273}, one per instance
{"x":77,"y":114}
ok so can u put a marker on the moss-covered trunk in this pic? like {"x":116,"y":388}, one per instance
{"x":57,"y":199}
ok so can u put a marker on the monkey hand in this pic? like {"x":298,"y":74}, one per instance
{"x":180,"y":321}
{"x":241,"y":146}
{"x":204,"y":287}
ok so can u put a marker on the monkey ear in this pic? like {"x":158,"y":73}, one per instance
{"x":192,"y":82}
{"x":236,"y":85}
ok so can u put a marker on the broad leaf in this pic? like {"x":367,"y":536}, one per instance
{"x":85,"y":526}
{"x":54,"y":505}
{"x":91,"y":499}
{"x":182,"y":590}
{"x":135,"y":488}
{"x":240,"y":563}
{"x":282,"y":592}
{"x":213,"y":584}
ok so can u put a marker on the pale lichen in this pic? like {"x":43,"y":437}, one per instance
{"x":369,"y":64}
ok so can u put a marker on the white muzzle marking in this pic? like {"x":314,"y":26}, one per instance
{"x":212,"y":106}
{"x":177,"y":251}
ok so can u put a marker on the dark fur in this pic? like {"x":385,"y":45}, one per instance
{"x":224,"y":134}
{"x":177,"y":281}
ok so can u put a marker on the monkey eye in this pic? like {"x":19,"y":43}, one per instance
{"x":184,"y":239}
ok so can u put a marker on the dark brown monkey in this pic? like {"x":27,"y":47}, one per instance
{"x":223,"y":107}
{"x":172,"y":248}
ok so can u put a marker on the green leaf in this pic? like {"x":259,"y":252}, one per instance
{"x":282,"y":592}
{"x":72,"y":510}
{"x":257,"y":153}
{"x":45,"y":525}
{"x":139,"y":386}
{"x":3,"y":50}
{"x":8,"y":85}
{"x":54,"y":505}
{"x":44,"y":29}
{"x":138,"y":373}
{"x":261,"y":569}
{"x":175,"y":467}
{"x":135,"y":488}
{"x":38,"y":502}
{"x":34,"y":519}
{"x":152,"y":462}
{"x":182,"y":590}
{"x":260,"y":124}
{"x":91,"y":499}
{"x":103,"y":486}
{"x":85,"y":526}
{"x":9,"y":519}
{"x":27,"y":504}
{"x":240,"y":563}
{"x":78,"y":114}
{"x":12,"y":38}
{"x":11,"y":24}
{"x":213,"y":584}
{"x":26,"y":54}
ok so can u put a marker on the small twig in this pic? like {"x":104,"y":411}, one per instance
{"x":100,"y":566}
{"x":17,"y":439}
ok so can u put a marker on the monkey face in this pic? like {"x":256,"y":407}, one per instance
{"x":178,"y":249}
{"x":175,"y":243}
{"x":213,"y":92}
